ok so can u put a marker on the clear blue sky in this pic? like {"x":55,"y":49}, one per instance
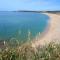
{"x":11,"y":5}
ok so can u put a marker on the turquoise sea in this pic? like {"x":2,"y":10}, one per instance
{"x":21,"y":25}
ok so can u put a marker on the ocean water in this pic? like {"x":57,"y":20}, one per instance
{"x":21,"y":25}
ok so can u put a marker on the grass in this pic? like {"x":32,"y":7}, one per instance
{"x":27,"y":52}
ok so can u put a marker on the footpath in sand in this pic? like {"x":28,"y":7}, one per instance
{"x":53,"y":32}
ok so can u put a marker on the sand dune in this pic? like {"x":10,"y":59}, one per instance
{"x":53,"y":34}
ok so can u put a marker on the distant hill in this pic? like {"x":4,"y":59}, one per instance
{"x":38,"y":11}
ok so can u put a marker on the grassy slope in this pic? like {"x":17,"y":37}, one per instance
{"x":27,"y":52}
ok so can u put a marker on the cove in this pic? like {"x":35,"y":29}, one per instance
{"x":22,"y":26}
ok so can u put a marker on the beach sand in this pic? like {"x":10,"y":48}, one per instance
{"x":53,"y":33}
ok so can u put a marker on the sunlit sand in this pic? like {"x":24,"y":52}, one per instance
{"x":53,"y":33}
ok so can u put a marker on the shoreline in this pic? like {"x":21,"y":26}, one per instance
{"x":53,"y":32}
{"x":43,"y":33}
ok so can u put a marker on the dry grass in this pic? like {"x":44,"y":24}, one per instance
{"x":27,"y":52}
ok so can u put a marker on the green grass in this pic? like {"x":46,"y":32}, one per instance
{"x":27,"y":52}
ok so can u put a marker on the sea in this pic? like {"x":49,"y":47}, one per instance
{"x":21,"y":26}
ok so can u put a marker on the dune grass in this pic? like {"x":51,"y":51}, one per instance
{"x":27,"y":52}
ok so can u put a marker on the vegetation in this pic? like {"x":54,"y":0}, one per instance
{"x":27,"y":52}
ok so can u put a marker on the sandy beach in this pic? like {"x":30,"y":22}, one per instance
{"x":53,"y":33}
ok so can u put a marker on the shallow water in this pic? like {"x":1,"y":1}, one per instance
{"x":21,"y":25}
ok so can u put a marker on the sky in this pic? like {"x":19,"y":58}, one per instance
{"x":37,"y":5}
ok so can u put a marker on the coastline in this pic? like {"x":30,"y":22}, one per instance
{"x":53,"y":32}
